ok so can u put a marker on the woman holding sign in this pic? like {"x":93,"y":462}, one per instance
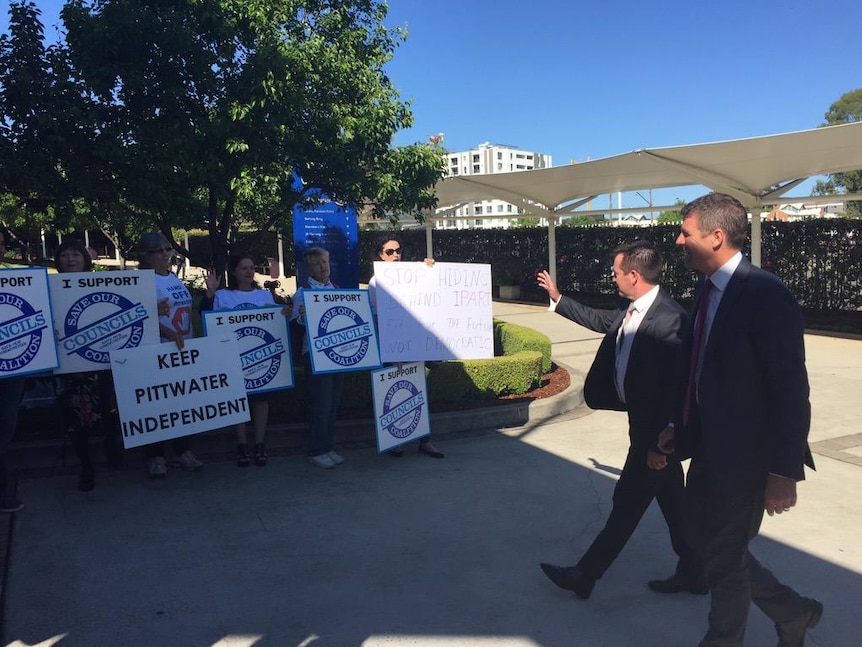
{"x":175,"y":324}
{"x":389,"y":250}
{"x":324,"y":390}
{"x":87,"y":399}
{"x":242,"y":292}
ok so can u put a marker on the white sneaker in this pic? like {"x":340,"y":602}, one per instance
{"x":188,"y":461}
{"x":323,"y":461}
{"x":338,"y":459}
{"x":157,"y":467}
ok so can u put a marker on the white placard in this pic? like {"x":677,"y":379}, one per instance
{"x":97,"y":312}
{"x":340,"y":330}
{"x":400,"y":405}
{"x":164,"y":392}
{"x":264,"y":345}
{"x":434,"y":313}
{"x":26,"y":338}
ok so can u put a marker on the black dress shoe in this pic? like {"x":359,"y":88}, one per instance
{"x":679,"y":583}
{"x":792,"y":633}
{"x":570,"y":578}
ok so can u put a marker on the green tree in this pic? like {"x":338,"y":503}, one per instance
{"x":848,"y":109}
{"x":579,"y":221}
{"x":525,"y":222}
{"x":671,"y":216}
{"x":201,"y":113}
{"x":28,"y":174}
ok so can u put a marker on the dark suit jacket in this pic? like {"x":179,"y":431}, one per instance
{"x":753,"y":412}
{"x":652,"y":373}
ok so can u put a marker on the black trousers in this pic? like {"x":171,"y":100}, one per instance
{"x":636,"y":488}
{"x":719,"y":526}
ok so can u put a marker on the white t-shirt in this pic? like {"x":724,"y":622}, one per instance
{"x":179,"y":319}
{"x":237,"y":299}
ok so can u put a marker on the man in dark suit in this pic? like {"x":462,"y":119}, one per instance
{"x":635,"y":370}
{"x":743,"y":420}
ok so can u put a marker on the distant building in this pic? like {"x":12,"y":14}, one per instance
{"x":488,"y":158}
{"x":801,"y":211}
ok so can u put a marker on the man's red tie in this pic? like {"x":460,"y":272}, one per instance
{"x":697,"y":339}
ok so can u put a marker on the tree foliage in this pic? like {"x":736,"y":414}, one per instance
{"x":580,"y":221}
{"x":202,"y":113}
{"x":848,"y":109}
{"x":672,"y":216}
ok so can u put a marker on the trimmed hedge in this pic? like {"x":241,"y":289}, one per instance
{"x":510,"y":339}
{"x":485,"y":379}
{"x":524,"y":357}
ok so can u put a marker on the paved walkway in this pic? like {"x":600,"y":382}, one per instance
{"x":415,"y":551}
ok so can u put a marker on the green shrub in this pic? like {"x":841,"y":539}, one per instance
{"x":485,"y":379}
{"x":522,"y":357}
{"x":510,"y":339}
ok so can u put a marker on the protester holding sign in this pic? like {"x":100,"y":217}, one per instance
{"x":324,"y":389}
{"x":86,"y":399}
{"x":390,"y":249}
{"x":243,"y":292}
{"x":175,"y":324}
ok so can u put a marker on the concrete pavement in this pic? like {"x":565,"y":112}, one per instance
{"x":415,"y":551}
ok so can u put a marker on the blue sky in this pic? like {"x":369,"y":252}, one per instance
{"x":585,"y":80}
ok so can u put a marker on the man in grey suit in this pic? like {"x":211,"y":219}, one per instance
{"x":635,"y":370}
{"x":743,"y":419}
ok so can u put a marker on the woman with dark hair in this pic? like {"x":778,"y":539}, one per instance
{"x":243,"y":292}
{"x":175,"y":324}
{"x":86,"y":400}
{"x":390,"y":249}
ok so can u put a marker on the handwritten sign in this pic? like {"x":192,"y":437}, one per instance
{"x":340,"y":329}
{"x":264,"y":345}
{"x":434,"y":313}
{"x":26,"y":339}
{"x":97,"y":312}
{"x":164,"y":392}
{"x":400,"y":405}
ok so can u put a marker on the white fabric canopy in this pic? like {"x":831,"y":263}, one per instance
{"x":748,"y":169}
{"x":757,"y":171}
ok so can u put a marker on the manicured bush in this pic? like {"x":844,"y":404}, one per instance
{"x":510,"y":339}
{"x":485,"y":379}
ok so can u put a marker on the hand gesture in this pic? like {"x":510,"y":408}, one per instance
{"x":211,"y":281}
{"x":547,"y":283}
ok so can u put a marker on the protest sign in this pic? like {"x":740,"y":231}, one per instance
{"x":164,"y":392}
{"x":26,"y":338}
{"x":263,"y":344}
{"x":340,"y":329}
{"x":434,"y":313}
{"x":400,"y":405}
{"x":97,"y":312}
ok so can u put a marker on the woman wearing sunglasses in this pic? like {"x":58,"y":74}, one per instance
{"x":389,"y":250}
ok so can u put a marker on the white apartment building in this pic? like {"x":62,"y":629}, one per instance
{"x":488,"y":158}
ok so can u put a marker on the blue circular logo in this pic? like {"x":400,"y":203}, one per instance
{"x":261,"y":356}
{"x":343,"y":336}
{"x":402,"y":409}
{"x":20,"y":332}
{"x":100,"y":322}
